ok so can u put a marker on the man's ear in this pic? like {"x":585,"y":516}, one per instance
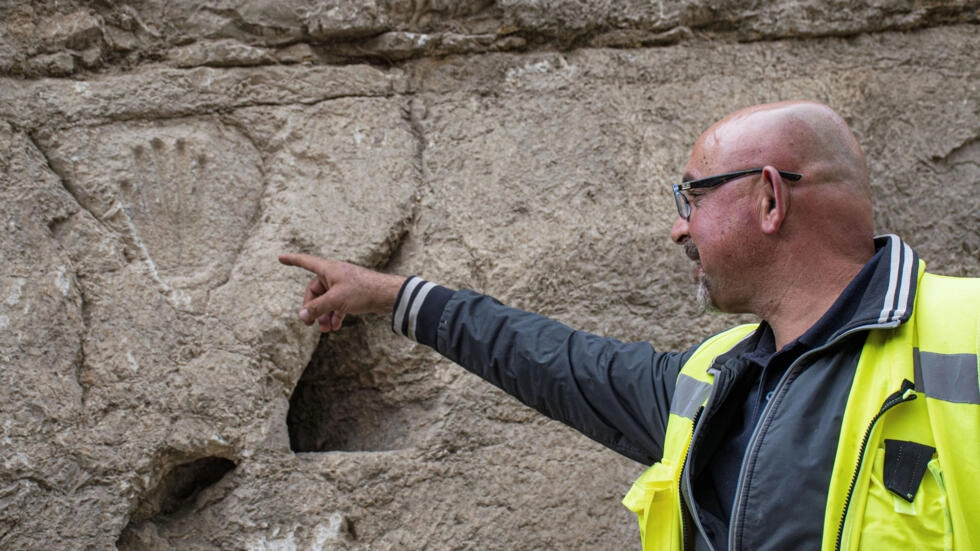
{"x":773,"y":201}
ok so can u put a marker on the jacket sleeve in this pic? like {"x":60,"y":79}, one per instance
{"x":616,"y":393}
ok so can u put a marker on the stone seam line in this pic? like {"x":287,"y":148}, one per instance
{"x":84,"y":307}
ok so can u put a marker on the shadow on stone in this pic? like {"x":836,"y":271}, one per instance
{"x":339,"y":403}
{"x":173,"y":497}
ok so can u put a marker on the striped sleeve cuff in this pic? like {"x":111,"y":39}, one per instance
{"x":418,"y":309}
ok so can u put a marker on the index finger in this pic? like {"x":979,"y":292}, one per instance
{"x":305,"y":261}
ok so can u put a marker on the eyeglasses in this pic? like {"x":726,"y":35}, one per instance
{"x":684,"y":206}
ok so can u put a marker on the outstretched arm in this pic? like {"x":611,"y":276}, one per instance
{"x":616,"y":393}
{"x":340,"y":288}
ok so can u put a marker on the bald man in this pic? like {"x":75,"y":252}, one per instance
{"x":828,"y":425}
{"x":759,"y":244}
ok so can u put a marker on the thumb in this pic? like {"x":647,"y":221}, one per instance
{"x":327,"y":308}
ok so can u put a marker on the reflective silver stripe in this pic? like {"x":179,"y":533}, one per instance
{"x":947,"y":377}
{"x":907,"y":275}
{"x":416,"y":306}
{"x":893,"y":280}
{"x":901,"y":271}
{"x":398,"y":320}
{"x":689,"y":395}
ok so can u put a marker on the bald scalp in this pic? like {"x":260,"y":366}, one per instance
{"x":802,"y":136}
{"x":832,"y":203}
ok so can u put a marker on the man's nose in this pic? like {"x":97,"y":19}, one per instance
{"x":678,"y":233}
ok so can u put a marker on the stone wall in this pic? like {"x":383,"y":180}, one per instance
{"x":156,"y":388}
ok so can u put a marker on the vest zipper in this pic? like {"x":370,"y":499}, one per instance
{"x":899,"y":397}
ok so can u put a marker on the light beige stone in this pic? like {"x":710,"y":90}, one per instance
{"x":170,"y":93}
{"x":157,"y":390}
{"x":219,"y":53}
{"x":182,"y":196}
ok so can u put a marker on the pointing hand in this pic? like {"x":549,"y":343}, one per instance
{"x":341,"y":288}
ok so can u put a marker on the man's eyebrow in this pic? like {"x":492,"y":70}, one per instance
{"x":688,"y":177}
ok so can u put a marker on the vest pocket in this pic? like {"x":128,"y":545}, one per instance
{"x":892,"y":522}
{"x":654,"y":498}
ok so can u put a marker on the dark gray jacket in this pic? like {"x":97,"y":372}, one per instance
{"x":619,"y":394}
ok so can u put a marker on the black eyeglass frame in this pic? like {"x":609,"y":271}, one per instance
{"x":684,"y":206}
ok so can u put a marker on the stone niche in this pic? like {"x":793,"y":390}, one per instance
{"x":346,"y":401}
{"x":174,"y":496}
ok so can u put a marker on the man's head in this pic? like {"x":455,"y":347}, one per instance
{"x":769,"y":231}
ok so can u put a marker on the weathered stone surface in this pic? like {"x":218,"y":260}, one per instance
{"x":157,"y":389}
{"x":182,"y":196}
{"x":225,"y":33}
{"x":51,"y":462}
{"x":344,"y":19}
{"x":398,"y":45}
{"x":166,"y":232}
{"x":584,"y":196}
{"x":163,"y":92}
{"x":219,"y":53}
{"x":76,"y":30}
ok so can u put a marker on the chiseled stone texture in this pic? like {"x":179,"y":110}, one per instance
{"x":156,"y":388}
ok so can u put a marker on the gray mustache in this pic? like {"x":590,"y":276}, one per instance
{"x":691,"y":251}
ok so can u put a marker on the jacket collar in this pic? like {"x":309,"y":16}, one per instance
{"x":879,"y":297}
{"x":884,"y":290}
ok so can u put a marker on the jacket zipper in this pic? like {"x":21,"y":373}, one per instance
{"x":763,"y":419}
{"x":766,"y":410}
{"x":688,"y":536}
{"x":899,"y":397}
{"x":686,"y":541}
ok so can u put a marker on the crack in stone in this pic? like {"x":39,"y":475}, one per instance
{"x":84,"y":307}
{"x":952,"y":156}
{"x":334,"y":410}
{"x":413,"y":115}
{"x":54,"y":120}
{"x":400,"y":229}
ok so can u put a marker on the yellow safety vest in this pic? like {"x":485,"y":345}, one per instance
{"x":937,"y":348}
